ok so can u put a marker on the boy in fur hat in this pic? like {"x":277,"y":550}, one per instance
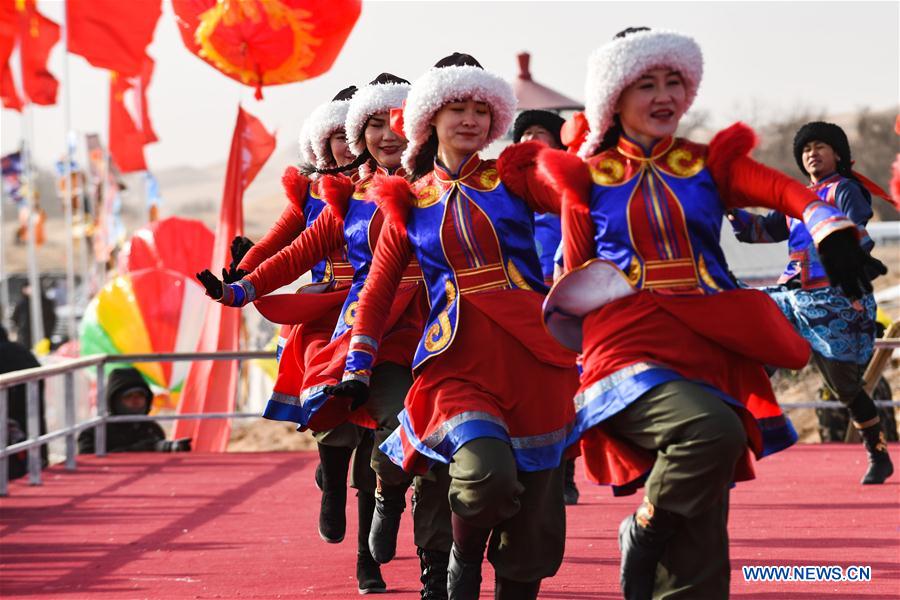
{"x":840,"y":330}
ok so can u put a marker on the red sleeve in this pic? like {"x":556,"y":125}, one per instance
{"x":571,"y":178}
{"x":754,"y":184}
{"x":517,"y":166}
{"x":742,"y":181}
{"x":310,"y":247}
{"x":578,"y":236}
{"x":288,"y":226}
{"x":393,"y":253}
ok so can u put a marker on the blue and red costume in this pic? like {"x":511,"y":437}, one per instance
{"x":485,"y":367}
{"x":298,"y":342}
{"x":648,"y":296}
{"x":547,"y":237}
{"x":836,"y":327}
{"x":350,"y":224}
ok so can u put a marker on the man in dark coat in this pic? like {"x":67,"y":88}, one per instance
{"x":128,"y":394}
{"x":14,"y":357}
{"x":21,"y":317}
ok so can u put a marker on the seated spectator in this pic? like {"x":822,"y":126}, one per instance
{"x":15,"y":357}
{"x":128,"y":394}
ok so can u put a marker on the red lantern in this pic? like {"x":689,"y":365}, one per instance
{"x":267,"y":42}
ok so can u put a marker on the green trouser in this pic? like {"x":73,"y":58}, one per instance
{"x":389,"y":385}
{"x":524,"y":510}
{"x":698,"y":439}
{"x":845,"y":380}
{"x":431,"y":510}
{"x":348,"y":435}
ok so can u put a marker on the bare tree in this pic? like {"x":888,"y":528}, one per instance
{"x":694,"y":125}
{"x":875,"y":148}
{"x":776,"y":145}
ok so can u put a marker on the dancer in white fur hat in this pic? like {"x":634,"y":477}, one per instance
{"x":673,"y":396}
{"x":492,"y":389}
{"x":347,"y":447}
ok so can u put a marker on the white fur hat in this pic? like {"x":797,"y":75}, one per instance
{"x":444,"y":84}
{"x":382,"y":94}
{"x":621,"y":62}
{"x":322,"y":123}
{"x":307,"y":156}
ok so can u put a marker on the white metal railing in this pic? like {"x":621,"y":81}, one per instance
{"x":31,"y":377}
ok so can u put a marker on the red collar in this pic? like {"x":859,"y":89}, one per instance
{"x":442,"y":174}
{"x":823,"y":182}
{"x":634,"y":150}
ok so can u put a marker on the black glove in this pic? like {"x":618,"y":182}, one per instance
{"x":357,"y":391}
{"x":179,"y":445}
{"x":211,"y":283}
{"x":239,"y":247}
{"x":848,"y":266}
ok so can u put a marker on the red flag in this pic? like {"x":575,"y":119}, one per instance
{"x":210,"y":386}
{"x":112,"y":34}
{"x":8,"y":32}
{"x":37,"y":36}
{"x":143,"y":82}
{"x":8,"y":93}
{"x":127,"y":108}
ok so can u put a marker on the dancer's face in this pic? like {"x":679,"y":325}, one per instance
{"x":462,"y":127}
{"x":383,"y":143}
{"x":651,"y":107}
{"x":538,"y":133}
{"x":819,"y":159}
{"x":340,"y":149}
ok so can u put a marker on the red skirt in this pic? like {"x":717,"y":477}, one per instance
{"x":722,"y":340}
{"x":405,"y":323}
{"x":503,"y":376}
{"x":303,"y":342}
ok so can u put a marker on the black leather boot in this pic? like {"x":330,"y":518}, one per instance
{"x":334,"y":462}
{"x":466,"y":555}
{"x":570,"y":491}
{"x":880,"y":465}
{"x":642,"y":540}
{"x":368,"y":571}
{"x":389,"y":505}
{"x":507,"y":589}
{"x":434,"y":573}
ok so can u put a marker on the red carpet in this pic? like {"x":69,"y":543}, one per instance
{"x":244,"y":526}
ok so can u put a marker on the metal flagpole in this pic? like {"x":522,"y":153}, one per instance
{"x":5,"y":309}
{"x":37,"y":318}
{"x":138,"y":91}
{"x":71,"y":295}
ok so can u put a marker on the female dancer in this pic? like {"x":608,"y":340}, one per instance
{"x":351,"y":220}
{"x":489,"y":387}
{"x":673,"y":394}
{"x":323,"y":145}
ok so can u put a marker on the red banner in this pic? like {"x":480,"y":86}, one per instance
{"x":21,"y":24}
{"x":112,"y":34}
{"x":38,"y":35}
{"x":127,"y":108}
{"x":8,"y":35}
{"x":211,"y":385}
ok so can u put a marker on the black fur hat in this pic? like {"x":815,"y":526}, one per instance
{"x":828,"y":133}
{"x":550,"y":121}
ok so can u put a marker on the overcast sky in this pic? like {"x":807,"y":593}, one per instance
{"x":761,"y":59}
